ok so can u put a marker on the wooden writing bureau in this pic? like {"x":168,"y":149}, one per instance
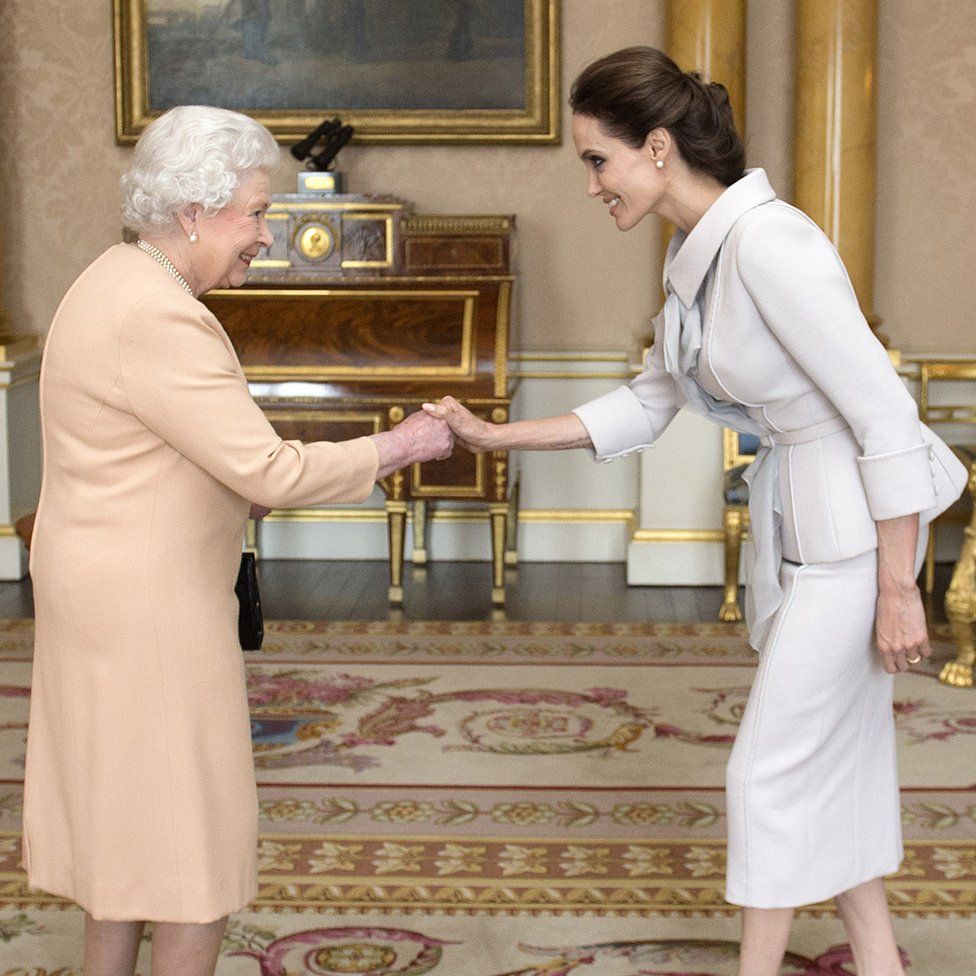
{"x":360,"y":312}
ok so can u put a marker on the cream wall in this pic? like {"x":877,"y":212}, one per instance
{"x":584,"y":285}
{"x":925,"y":286}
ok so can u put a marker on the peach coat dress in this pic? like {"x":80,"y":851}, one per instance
{"x":140,"y":798}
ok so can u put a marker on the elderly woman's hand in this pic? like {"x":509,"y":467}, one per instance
{"x":471,"y":431}
{"x":416,"y":439}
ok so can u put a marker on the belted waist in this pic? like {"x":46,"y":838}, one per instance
{"x":805,"y":434}
{"x":764,"y":593}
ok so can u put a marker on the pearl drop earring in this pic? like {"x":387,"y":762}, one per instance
{"x":659,"y":163}
{"x":193,"y":237}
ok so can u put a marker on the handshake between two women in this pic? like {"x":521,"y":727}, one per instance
{"x":430,"y":435}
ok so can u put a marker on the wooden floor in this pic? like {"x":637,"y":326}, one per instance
{"x":356,"y":590}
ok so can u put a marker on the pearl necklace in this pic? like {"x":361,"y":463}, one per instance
{"x":155,"y":253}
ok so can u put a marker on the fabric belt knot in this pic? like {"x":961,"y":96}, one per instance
{"x":679,"y":328}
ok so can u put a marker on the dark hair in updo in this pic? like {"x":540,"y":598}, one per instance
{"x":633,"y":91}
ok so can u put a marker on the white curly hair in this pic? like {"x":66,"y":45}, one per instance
{"x":191,"y":154}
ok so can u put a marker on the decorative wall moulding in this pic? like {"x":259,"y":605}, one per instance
{"x":419,"y":71}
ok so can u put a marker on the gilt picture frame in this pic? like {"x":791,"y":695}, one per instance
{"x":398,"y":71}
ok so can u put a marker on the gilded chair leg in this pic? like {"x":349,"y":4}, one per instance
{"x":251,"y":537}
{"x":499,"y":518}
{"x":730,"y":611}
{"x":396,"y":523}
{"x":419,"y":556}
{"x":930,"y":562}
{"x":960,"y":604}
{"x":511,"y":527}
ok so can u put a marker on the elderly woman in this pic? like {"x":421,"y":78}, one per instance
{"x":140,"y":799}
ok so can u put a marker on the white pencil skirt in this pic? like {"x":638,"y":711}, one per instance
{"x":812,"y":783}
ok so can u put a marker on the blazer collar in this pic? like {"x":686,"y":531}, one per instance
{"x":690,"y":255}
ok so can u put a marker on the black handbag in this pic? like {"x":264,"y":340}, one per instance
{"x":250,"y":621}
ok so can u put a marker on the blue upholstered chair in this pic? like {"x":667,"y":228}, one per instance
{"x":738,"y":451}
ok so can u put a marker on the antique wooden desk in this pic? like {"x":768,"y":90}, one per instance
{"x":360,"y":312}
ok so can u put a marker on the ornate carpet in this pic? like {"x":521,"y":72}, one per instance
{"x":516,"y":799}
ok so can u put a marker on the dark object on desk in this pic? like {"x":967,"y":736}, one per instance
{"x":250,"y":620}
{"x":321,"y":146}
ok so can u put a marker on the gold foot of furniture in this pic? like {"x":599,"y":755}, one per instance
{"x":730,"y":613}
{"x":958,"y":674}
{"x":960,"y":605}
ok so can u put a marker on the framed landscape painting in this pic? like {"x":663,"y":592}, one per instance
{"x":417,"y":71}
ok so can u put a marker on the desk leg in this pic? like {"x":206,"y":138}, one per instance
{"x":499,"y":522}
{"x":251,"y":537}
{"x":396,"y":524}
{"x":419,"y":533}
{"x":511,"y":528}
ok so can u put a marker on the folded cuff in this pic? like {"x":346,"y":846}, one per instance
{"x":616,"y":423}
{"x":899,"y":483}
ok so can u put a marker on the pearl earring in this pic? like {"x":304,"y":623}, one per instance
{"x":659,"y":163}
{"x":193,"y":237}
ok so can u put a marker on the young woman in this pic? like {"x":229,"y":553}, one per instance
{"x":761,"y":331}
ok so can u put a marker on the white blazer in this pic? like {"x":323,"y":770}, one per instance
{"x":783,"y":335}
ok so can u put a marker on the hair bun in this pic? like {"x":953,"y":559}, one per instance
{"x":638,"y":89}
{"x":718,"y":92}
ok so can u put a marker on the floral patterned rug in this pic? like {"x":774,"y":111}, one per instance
{"x":515,"y":799}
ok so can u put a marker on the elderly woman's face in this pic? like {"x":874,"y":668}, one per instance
{"x":229,"y":240}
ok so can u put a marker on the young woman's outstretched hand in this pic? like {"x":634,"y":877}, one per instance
{"x":469,"y":430}
{"x":477,"y":435}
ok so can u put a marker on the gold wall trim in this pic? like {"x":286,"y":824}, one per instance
{"x":538,"y":515}
{"x":327,"y":515}
{"x":6,"y":531}
{"x":678,"y":535}
{"x":570,"y":357}
{"x":531,"y":374}
{"x":576,"y":515}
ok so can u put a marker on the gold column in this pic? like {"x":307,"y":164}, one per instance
{"x":834,"y":130}
{"x":4,"y":321}
{"x":709,"y":36}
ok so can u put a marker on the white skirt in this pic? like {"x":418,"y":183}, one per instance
{"x":812,"y":783}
